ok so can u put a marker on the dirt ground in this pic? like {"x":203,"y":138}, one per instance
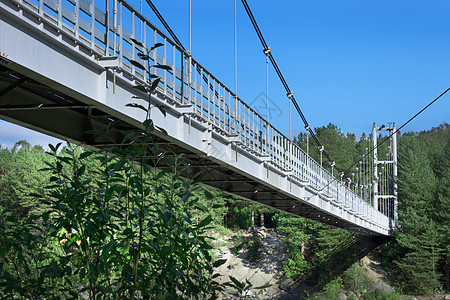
{"x":268,"y":270}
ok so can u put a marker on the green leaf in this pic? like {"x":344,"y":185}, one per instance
{"x":81,"y":170}
{"x":140,"y":88}
{"x":53,"y":148}
{"x":148,"y":125}
{"x":137,"y":65}
{"x":219,"y":262}
{"x":155,"y":84}
{"x":162,"y":130}
{"x":205,"y":222}
{"x":27,"y":236}
{"x":156,"y":46}
{"x":135,"y":105}
{"x":208,"y":194}
{"x":137,"y":42}
{"x":46,"y":216}
{"x":119,"y":164}
{"x":164,"y":67}
{"x":36,"y":195}
{"x":197,"y":179}
{"x":201,"y":207}
{"x":143,"y":56}
{"x":126,"y":248}
{"x":237,"y":283}
{"x":86,"y":154}
{"x":161,"y":109}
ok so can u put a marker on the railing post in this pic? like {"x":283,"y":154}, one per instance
{"x":395,"y":172}
{"x":92,"y":23}
{"x":375,"y":166}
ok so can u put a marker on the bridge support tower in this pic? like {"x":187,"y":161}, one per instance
{"x":385,"y":188}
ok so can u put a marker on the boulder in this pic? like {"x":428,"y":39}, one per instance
{"x":342,"y":296}
{"x":447,"y":297}
{"x":382,"y":287}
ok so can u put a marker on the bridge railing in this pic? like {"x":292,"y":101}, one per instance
{"x":110,"y":30}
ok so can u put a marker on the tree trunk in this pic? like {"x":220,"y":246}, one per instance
{"x":262,"y":219}
{"x":253,"y":218}
{"x":303,"y":250}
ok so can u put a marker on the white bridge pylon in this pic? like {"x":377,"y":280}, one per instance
{"x":65,"y":69}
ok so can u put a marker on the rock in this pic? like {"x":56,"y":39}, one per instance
{"x":447,"y":297}
{"x":342,"y":296}
{"x":286,"y":284}
{"x":247,"y":293}
{"x":382,"y":287}
{"x":351,"y":295}
{"x":262,"y":234}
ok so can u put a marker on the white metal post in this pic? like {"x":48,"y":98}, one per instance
{"x":375,"y":166}
{"x":394,"y":154}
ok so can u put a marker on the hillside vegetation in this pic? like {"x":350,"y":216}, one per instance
{"x":109,"y":225}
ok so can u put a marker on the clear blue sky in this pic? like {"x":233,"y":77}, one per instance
{"x":348,"y":62}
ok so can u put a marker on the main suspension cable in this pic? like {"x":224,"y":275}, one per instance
{"x":163,"y":21}
{"x":283,"y":80}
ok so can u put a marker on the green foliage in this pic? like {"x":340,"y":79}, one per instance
{"x":254,"y":249}
{"x":380,"y":295}
{"x":20,"y":177}
{"x":418,"y":235}
{"x":239,"y":215}
{"x":128,"y":229}
{"x":332,"y":289}
{"x":243,"y":288}
{"x":251,"y":243}
{"x":112,"y":226}
{"x":341,"y":147}
{"x":296,"y":236}
{"x":354,"y":278}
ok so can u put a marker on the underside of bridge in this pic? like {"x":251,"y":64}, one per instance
{"x":34,"y":105}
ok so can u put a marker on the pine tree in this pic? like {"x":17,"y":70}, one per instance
{"x":418,"y":234}
{"x":442,"y":213}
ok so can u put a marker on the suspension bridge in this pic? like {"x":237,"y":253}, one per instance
{"x":66,"y":67}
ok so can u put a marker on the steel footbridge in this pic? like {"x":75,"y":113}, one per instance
{"x":65,"y":68}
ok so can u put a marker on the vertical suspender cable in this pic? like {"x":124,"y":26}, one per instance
{"x":290,"y":120}
{"x":190,"y":25}
{"x":267,"y":53}
{"x":363,"y":178}
{"x":190,"y":56}
{"x":235,"y":68}
{"x":235,"y":52}
{"x":290,"y":132}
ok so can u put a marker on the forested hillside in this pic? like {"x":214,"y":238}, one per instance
{"x":74,"y":221}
